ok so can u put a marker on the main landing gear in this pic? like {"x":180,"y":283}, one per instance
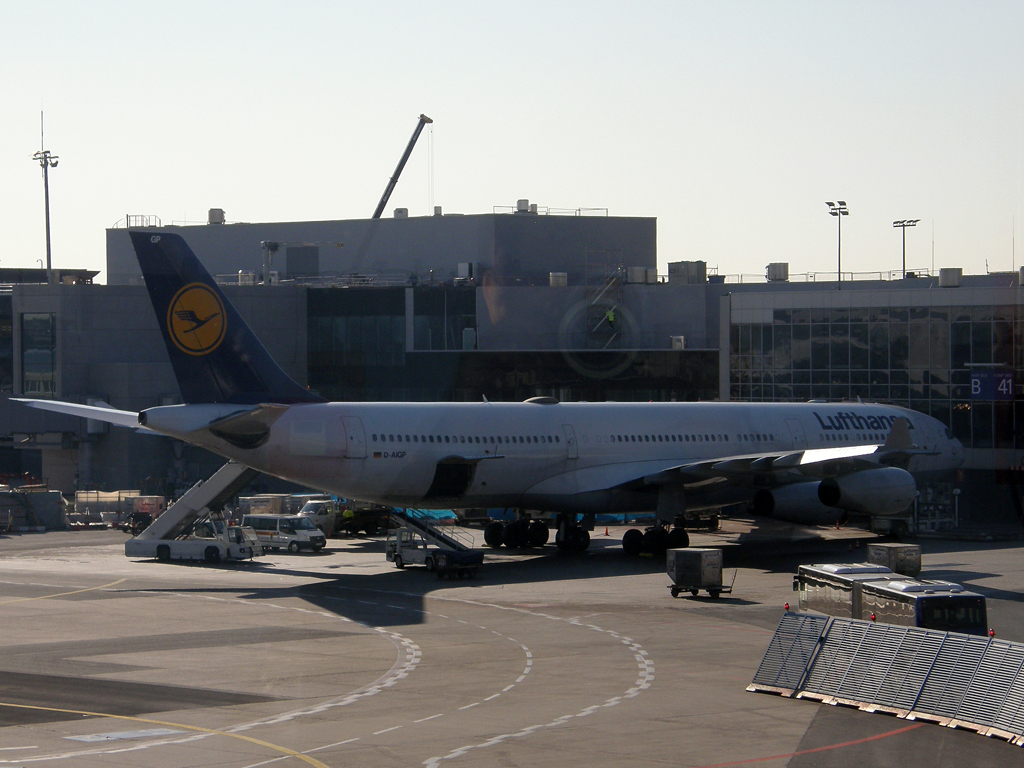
{"x":571,"y":536}
{"x":522,"y":533}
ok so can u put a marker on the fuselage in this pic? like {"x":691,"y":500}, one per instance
{"x":571,"y":457}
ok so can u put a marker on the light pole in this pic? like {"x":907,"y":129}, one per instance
{"x":903,"y":224}
{"x":46,"y":162}
{"x":838,"y":209}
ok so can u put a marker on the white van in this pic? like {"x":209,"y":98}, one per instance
{"x":295,"y":532}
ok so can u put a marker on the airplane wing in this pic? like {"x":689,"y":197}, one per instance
{"x":104,"y":412}
{"x":809,"y":463}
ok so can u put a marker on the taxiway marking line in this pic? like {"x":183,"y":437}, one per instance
{"x":196,"y":728}
{"x":885,"y":735}
{"x":424,"y":719}
{"x":62,"y":594}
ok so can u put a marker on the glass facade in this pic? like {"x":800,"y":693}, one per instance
{"x":6,"y":344}
{"x":919,"y":357}
{"x":357,"y":352}
{"x":38,"y":354}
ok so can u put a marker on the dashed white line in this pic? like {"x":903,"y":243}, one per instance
{"x":432,"y":717}
{"x":387,"y":730}
{"x":489,"y":698}
{"x":470,"y":706}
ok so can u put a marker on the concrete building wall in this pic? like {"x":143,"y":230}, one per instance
{"x":513,"y":248}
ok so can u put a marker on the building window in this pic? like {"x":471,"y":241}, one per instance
{"x":38,"y":354}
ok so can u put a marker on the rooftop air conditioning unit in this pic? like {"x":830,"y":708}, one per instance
{"x":401,"y":213}
{"x":950,"y":277}
{"x":777,"y":272}
{"x":215,"y":216}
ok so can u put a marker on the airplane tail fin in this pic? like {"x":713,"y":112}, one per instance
{"x":216,"y":356}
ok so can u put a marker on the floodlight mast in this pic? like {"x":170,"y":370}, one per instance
{"x":903,"y":224}
{"x":839,"y":209}
{"x":46,"y":162}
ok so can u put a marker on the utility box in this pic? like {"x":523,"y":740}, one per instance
{"x":777,"y":272}
{"x":694,"y":568}
{"x":558,"y":279}
{"x":636,"y":274}
{"x":678,"y":342}
{"x":687,"y":272}
{"x":950,"y":277}
{"x":904,"y":559}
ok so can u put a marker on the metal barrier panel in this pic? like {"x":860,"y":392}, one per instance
{"x":839,"y":646}
{"x":951,"y":674}
{"x":972,"y":681}
{"x":989,"y":693}
{"x":910,"y":667}
{"x":790,"y":651}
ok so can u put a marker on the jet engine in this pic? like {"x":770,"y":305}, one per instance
{"x":797,"y":503}
{"x":884,"y":491}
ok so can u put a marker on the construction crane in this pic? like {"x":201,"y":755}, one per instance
{"x":401,"y":164}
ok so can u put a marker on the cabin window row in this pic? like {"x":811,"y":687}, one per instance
{"x":486,"y":440}
{"x":836,"y":437}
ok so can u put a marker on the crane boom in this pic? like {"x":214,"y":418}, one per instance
{"x":401,"y":164}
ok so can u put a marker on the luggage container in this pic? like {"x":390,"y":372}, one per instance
{"x":904,"y":559}
{"x":693,"y":569}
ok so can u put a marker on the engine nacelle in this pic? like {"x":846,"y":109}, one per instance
{"x":797,"y":503}
{"x":884,"y":491}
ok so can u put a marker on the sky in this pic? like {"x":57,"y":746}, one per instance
{"x":731,"y":122}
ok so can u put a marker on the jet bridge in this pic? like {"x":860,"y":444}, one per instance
{"x":164,"y":536}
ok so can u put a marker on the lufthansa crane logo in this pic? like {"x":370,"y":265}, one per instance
{"x":195,"y":319}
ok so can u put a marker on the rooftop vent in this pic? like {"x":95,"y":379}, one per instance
{"x":215,"y":216}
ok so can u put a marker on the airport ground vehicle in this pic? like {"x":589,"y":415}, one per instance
{"x":323,"y":512}
{"x":692,"y":570}
{"x":296,"y":532}
{"x":211,"y":540}
{"x":408,"y":547}
{"x":194,"y":527}
{"x":873,"y":592}
{"x":356,"y":516}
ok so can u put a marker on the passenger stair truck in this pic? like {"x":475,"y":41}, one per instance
{"x":451,"y":554}
{"x":193,"y":528}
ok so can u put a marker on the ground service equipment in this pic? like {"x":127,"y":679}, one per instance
{"x":874,"y":593}
{"x":409,"y":547}
{"x":192,"y":527}
{"x":692,"y":570}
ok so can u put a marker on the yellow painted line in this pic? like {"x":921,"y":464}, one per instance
{"x":250,"y":739}
{"x":62,"y":594}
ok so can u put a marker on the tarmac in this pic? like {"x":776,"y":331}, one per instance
{"x":340,"y":659}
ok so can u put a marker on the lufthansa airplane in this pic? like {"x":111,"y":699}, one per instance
{"x":803,"y":462}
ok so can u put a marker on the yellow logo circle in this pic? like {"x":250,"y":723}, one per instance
{"x":195,"y":319}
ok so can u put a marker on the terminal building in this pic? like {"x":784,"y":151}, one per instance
{"x":507,"y":306}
